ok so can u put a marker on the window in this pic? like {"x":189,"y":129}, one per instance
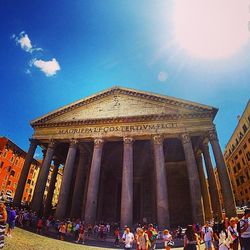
{"x":241,"y":193}
{"x":243,"y":161}
{"x":241,"y":135}
{"x":235,"y":170}
{"x":31,"y":191}
{"x":236,"y":157}
{"x":246,"y":191}
{"x":237,"y":182}
{"x":241,"y":179}
{"x":12,"y":158}
{"x":8,"y":168}
{"x":238,"y":166}
{"x":248,"y":156}
{"x":8,"y":183}
{"x":1,"y":164}
{"x":12,"y":173}
{"x":245,"y":146}
{"x":244,"y":128}
{"x":240,"y":152}
{"x":16,"y":162}
{"x":28,"y":181}
{"x":247,"y":174}
{"x":5,"y":153}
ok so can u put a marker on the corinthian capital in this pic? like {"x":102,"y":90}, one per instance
{"x":212,"y":135}
{"x":185,"y":138}
{"x":73,"y":143}
{"x":157,"y":139}
{"x":205,"y":142}
{"x":98,"y":142}
{"x":52,"y":144}
{"x":198,"y":155}
{"x":128,"y":140}
{"x":33,"y":141}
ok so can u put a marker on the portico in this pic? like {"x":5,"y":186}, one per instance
{"x":130,"y":155}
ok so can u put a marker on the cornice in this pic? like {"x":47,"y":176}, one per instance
{"x":143,"y":118}
{"x":117,"y":90}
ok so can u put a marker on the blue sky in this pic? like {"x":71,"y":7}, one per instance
{"x":53,"y":53}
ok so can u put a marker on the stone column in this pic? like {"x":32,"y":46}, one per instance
{"x":127,"y":183}
{"x":52,"y":184}
{"x":25,"y":171}
{"x":161,"y":184}
{"x":194,"y":183}
{"x":76,"y":206}
{"x":227,"y":193}
{"x":66,"y":181}
{"x":213,"y":189}
{"x":37,"y":201}
{"x":93,"y":184}
{"x":204,"y":187}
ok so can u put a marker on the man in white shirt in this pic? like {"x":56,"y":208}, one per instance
{"x":128,"y":238}
{"x":245,"y":230}
{"x":207,"y":235}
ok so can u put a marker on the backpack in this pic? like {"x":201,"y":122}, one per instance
{"x":154,"y":235}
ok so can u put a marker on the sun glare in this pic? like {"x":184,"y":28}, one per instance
{"x":211,"y":29}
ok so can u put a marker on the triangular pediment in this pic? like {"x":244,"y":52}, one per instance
{"x":120,"y":103}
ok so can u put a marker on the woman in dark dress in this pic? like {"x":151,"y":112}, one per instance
{"x":191,"y":239}
{"x":3,"y":218}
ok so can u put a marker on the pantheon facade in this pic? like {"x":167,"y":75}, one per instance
{"x":130,"y":156}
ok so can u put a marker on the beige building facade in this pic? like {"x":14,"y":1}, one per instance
{"x":237,"y":158}
{"x":130,"y":155}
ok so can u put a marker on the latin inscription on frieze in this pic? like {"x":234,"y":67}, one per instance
{"x":117,"y":128}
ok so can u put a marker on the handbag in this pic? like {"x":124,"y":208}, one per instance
{"x":170,"y":243}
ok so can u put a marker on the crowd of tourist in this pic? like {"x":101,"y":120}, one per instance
{"x":230,"y":233}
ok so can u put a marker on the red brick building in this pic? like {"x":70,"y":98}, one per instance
{"x":11,"y":163}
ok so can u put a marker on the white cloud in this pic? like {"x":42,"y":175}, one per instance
{"x":49,"y":68}
{"x":162,"y":76}
{"x":25,"y":42}
{"x":27,"y":71}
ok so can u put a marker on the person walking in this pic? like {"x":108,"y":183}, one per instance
{"x":168,"y":239}
{"x":191,"y":239}
{"x":141,"y":239}
{"x":224,"y":242}
{"x":128,"y":239}
{"x":39,"y":225}
{"x":234,"y":235}
{"x":3,"y":219}
{"x":207,"y":236}
{"x":11,"y":219}
{"x":81,"y":234}
{"x":152,"y":235}
{"x":117,"y":237}
{"x":62,"y":230}
{"x":245,"y":230}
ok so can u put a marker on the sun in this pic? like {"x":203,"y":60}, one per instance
{"x":211,"y":29}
